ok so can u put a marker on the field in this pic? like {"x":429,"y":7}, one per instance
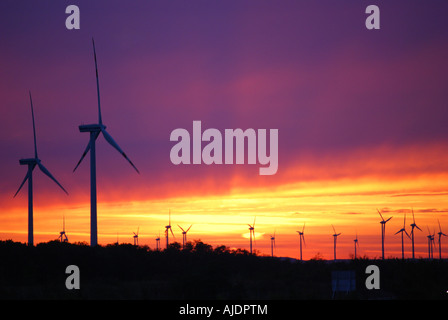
{"x":201,"y":272}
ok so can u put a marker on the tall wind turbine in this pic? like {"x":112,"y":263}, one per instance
{"x":301,"y":236}
{"x":440,"y":233}
{"x":272,"y":244}
{"x":430,"y":244}
{"x":335,"y":236}
{"x":251,"y":232}
{"x":62,"y":235}
{"x":413,"y":225}
{"x":184,"y":235}
{"x":168,"y":227}
{"x":383,"y":231}
{"x":402,"y":237}
{"x":95,"y":130}
{"x":32,"y":163}
{"x":135,"y":236}
{"x":356,"y":243}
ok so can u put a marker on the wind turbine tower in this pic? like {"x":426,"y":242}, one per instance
{"x":356,"y":244}
{"x":335,"y":236}
{"x":184,"y":235}
{"x":440,"y":233}
{"x":252,"y":233}
{"x":62,"y":235}
{"x":272,"y":244}
{"x":158,"y":242}
{"x":95,"y":130}
{"x":430,"y":244}
{"x":168,"y":227}
{"x":413,"y":225}
{"x":301,"y":237}
{"x":32,"y":163}
{"x":135,"y":236}
{"x":383,"y":231}
{"x":402,"y":236}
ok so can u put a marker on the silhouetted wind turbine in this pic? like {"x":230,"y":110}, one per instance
{"x":95,"y":130}
{"x":135,"y":236}
{"x":168,"y":227}
{"x":356,"y":243}
{"x":32,"y":163}
{"x":440,"y":233}
{"x":184,"y":235}
{"x":430,"y":244}
{"x":301,"y":236}
{"x":158,"y":242}
{"x":383,"y":231}
{"x":335,"y":236}
{"x":62,"y":235}
{"x":272,"y":244}
{"x":251,"y":232}
{"x":413,"y":225}
{"x":402,"y":237}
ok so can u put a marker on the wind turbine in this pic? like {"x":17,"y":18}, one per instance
{"x":430,"y":244}
{"x":95,"y":130}
{"x":252,"y":232}
{"x":383,"y":231}
{"x":158,"y":242}
{"x":184,"y":235}
{"x":62,"y":235}
{"x":301,"y":236}
{"x":168,"y":227}
{"x":32,"y":163}
{"x":356,"y":243}
{"x":440,"y":233}
{"x":335,"y":236}
{"x":272,"y":244}
{"x":402,"y":237}
{"x":413,"y":225}
{"x":135,"y":236}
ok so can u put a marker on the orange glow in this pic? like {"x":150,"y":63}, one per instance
{"x":343,"y":192}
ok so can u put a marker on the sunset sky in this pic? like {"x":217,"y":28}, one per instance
{"x":362,"y":119}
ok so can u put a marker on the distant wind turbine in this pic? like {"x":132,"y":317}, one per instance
{"x":403,"y":230}
{"x":95,"y":130}
{"x":413,"y":225}
{"x":158,"y":242}
{"x":356,"y":244}
{"x":383,"y":231}
{"x":440,"y":233}
{"x":301,"y":237}
{"x":168,"y":227}
{"x":62,"y":235}
{"x":335,"y":236}
{"x":32,"y":163}
{"x":272,"y":244}
{"x":251,"y":232}
{"x":430,"y":244}
{"x":135,"y":236}
{"x":184,"y":235}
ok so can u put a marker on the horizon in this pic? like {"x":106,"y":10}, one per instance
{"x":360,"y":117}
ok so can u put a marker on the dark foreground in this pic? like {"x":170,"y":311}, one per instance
{"x":201,"y":272}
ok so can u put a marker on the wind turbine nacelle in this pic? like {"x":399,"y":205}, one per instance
{"x":91,"y":127}
{"x":29,"y":161}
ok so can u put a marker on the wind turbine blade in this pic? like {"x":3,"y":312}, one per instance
{"x":172,"y":233}
{"x":181,"y":228}
{"x":138,"y":230}
{"x":398,"y":232}
{"x":45,"y":170}
{"x":413,"y":218}
{"x":333,"y":229}
{"x":303,"y":229}
{"x":404,"y":221}
{"x":254,"y":221}
{"x":188,"y":228}
{"x":304,"y":243}
{"x":440,"y":228}
{"x":112,"y":142}
{"x":85,"y":152}
{"x":97,"y":84}
{"x":407,"y":234}
{"x":418,"y":227}
{"x":380,"y":214}
{"x":23,"y":182}
{"x":34,"y":127}
{"x":388,"y":219}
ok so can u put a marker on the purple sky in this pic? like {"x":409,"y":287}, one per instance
{"x":308,"y":68}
